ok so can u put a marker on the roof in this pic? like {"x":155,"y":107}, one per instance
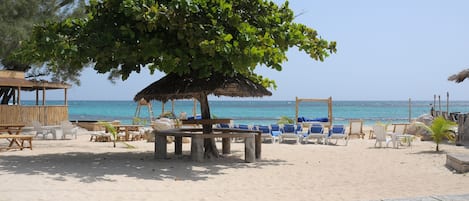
{"x":459,"y":77}
{"x":174,"y":86}
{"x":31,"y":84}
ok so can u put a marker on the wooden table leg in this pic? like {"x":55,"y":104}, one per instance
{"x":249,"y":149}
{"x":258,"y":144}
{"x":178,"y":145}
{"x":226,"y":145}
{"x":160,"y":147}
{"x":197,"y":148}
{"x":14,"y":141}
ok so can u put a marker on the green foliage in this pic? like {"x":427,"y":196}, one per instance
{"x":139,"y":121}
{"x":285,"y":120}
{"x":440,"y":130}
{"x":17,"y":18}
{"x":111,"y":129}
{"x":197,"y":37}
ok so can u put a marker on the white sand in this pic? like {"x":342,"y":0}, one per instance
{"x":69,"y":170}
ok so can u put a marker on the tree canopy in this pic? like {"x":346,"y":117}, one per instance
{"x":17,"y":19}
{"x":197,"y":37}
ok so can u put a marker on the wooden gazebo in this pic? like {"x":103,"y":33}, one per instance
{"x":15,"y":112}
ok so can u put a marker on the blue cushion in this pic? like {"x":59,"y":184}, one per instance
{"x":289,"y":128}
{"x":276,"y":133}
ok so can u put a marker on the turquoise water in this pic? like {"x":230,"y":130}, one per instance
{"x":263,"y":112}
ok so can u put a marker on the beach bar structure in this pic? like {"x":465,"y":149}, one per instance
{"x":15,"y":112}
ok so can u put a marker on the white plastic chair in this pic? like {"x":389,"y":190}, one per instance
{"x":380,"y":134}
{"x":68,"y":129}
{"x":41,"y":130}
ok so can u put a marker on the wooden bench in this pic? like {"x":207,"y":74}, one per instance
{"x":252,"y":142}
{"x":18,"y":141}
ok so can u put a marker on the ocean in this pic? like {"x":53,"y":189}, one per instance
{"x":263,"y":112}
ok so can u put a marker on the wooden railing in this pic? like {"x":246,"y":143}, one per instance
{"x":47,"y":115}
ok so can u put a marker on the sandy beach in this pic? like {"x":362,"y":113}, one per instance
{"x":83,"y":170}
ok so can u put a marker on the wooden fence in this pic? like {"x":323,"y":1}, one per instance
{"x":47,"y":115}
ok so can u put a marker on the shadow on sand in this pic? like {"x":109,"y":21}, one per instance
{"x":90,"y":167}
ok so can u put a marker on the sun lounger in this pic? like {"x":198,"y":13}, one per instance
{"x":266,"y":133}
{"x":337,"y":132}
{"x":289,"y":134}
{"x":356,"y":128}
{"x":316,"y":132}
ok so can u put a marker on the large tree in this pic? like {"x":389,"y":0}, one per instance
{"x":195,"y":37}
{"x":17,"y":19}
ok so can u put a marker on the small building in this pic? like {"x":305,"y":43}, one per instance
{"x":15,"y":112}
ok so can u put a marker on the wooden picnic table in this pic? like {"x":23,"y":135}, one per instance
{"x":11,"y":128}
{"x":14,"y":136}
{"x":127,"y":129}
{"x":252,"y":141}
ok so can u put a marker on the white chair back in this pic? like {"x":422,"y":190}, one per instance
{"x":380,"y":133}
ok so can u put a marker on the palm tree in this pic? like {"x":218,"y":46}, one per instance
{"x":440,"y":129}
{"x":111,"y":129}
{"x":285,"y":120}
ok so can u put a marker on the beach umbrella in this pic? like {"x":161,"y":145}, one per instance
{"x":461,"y":76}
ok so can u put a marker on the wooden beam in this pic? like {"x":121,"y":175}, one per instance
{"x":65,"y":97}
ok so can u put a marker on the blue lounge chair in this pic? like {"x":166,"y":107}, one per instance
{"x":275,"y":131}
{"x":266,"y":133}
{"x":223,"y":126}
{"x":243,"y":126}
{"x":289,"y":134}
{"x":337,"y":132}
{"x":316,"y":132}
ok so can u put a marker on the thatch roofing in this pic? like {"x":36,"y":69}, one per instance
{"x":174,"y":86}
{"x":461,"y":76}
{"x":30,"y":85}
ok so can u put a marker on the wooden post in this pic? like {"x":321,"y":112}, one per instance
{"x":178,"y":145}
{"x":160,"y":146}
{"x":172,"y":106}
{"x":194,"y":109}
{"x":447,"y":103}
{"x":226,"y":145}
{"x":439,"y":106}
{"x":410,"y":111}
{"x":197,"y":148}
{"x":18,"y":100}
{"x":296,"y":109}
{"x":249,"y":149}
{"x":65,"y":97}
{"x":258,"y":141}
{"x":37,"y":96}
{"x":43,"y":96}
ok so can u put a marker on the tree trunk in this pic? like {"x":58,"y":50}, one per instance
{"x":211,"y":150}
{"x":5,"y":94}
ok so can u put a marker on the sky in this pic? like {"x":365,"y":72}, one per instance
{"x":386,"y":50}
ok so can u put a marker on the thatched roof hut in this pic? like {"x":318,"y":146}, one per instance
{"x":174,"y":86}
